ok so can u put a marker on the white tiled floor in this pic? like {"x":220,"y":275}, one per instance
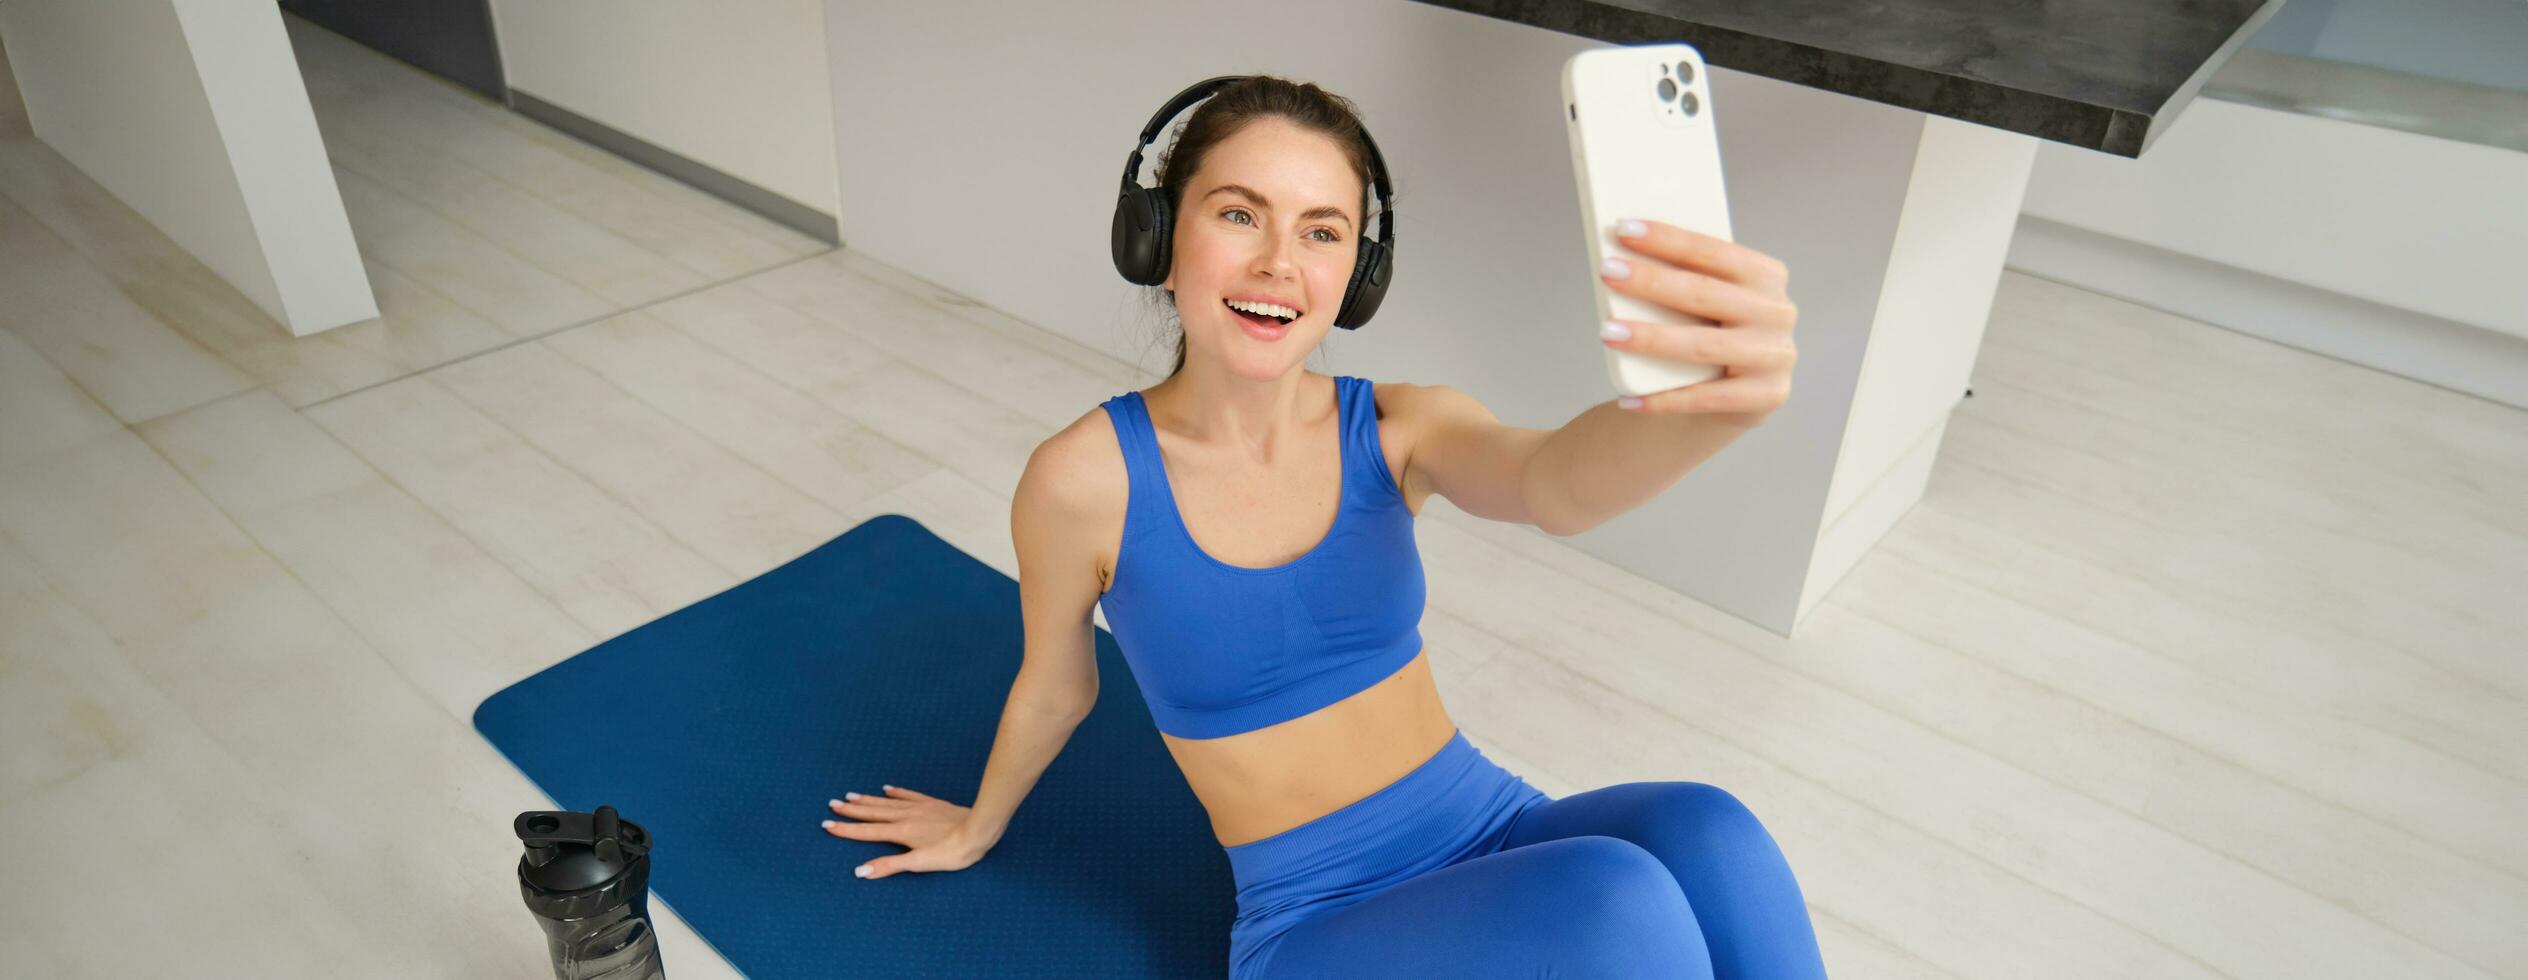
{"x":2202,"y":656}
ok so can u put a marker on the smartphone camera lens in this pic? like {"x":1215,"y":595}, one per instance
{"x":1689,"y":104}
{"x":1667,"y":90}
{"x":1685,"y":71}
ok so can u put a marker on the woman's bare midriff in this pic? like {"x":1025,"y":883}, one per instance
{"x":1259,"y":783}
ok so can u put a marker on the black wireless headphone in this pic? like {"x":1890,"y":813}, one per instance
{"x":1145,"y":228}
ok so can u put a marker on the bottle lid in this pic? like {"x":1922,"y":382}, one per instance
{"x":572,"y":851}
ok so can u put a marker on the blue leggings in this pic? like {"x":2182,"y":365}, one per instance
{"x":1462,"y":869}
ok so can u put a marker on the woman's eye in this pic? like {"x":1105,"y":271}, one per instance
{"x":1242,"y":214}
{"x":1330,"y":236}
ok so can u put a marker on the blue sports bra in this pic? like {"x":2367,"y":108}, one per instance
{"x":1220,"y":649}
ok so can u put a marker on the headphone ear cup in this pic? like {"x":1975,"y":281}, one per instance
{"x":1142,"y":235}
{"x":1370,"y":274}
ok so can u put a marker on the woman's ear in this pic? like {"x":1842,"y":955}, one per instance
{"x":1169,"y":283}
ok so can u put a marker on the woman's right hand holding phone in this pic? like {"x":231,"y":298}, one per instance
{"x":935,"y":829}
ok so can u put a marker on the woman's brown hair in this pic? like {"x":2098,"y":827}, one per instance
{"x":1234,"y":107}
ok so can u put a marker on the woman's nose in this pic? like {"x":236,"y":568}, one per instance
{"x":1275,"y":260}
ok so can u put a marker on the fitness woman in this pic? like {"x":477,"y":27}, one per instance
{"x":1248,"y":526}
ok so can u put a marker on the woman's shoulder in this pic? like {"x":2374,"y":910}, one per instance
{"x":1080,"y":468}
{"x":1395,"y":399}
{"x":1071,"y":498}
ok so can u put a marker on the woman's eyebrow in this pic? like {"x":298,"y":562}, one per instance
{"x":1327,"y":211}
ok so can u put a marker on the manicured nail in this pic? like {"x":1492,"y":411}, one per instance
{"x":1615,"y":268}
{"x":851,"y":796}
{"x":1612,"y":330}
{"x":1630,"y":228}
{"x":886,"y":786}
{"x":861,"y":871}
{"x":829,"y":825}
{"x":1628,"y":401}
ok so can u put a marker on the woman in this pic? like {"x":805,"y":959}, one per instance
{"x":1248,"y":526}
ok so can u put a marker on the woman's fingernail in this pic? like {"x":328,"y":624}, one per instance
{"x":1628,"y":401}
{"x":833,"y":803}
{"x":1630,"y":228}
{"x":1612,"y":330}
{"x":829,"y":825}
{"x":860,"y":872}
{"x":886,"y":786}
{"x":1615,"y":268}
{"x":851,"y":796}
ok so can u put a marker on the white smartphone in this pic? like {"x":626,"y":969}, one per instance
{"x":1643,"y":146}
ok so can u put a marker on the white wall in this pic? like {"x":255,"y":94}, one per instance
{"x":736,"y":85}
{"x":2475,"y":41}
{"x":2384,"y":248}
{"x":2417,"y":222}
{"x":193,"y":114}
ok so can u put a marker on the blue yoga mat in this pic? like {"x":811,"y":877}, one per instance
{"x":883,"y":656}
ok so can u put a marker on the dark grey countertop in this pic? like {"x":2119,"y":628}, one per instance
{"x":2106,"y":75}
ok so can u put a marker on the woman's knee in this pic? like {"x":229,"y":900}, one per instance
{"x":1592,"y":882}
{"x":1585,"y":906}
{"x":1622,"y":911}
{"x":1700,"y":818}
{"x":1603,"y":872}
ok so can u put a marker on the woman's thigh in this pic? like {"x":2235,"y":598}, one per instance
{"x":1749,"y":907}
{"x":1576,"y":907}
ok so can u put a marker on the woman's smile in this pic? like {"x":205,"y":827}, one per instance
{"x":1263,"y":317}
{"x":1258,"y":326}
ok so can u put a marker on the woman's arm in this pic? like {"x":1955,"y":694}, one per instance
{"x":1031,"y":735}
{"x":1052,"y":518}
{"x":1610,"y":460}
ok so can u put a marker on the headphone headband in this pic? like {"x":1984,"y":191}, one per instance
{"x":1204,"y":89}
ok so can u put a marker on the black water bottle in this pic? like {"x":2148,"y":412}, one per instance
{"x":586,"y":877}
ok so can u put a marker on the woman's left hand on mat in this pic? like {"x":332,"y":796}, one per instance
{"x":934,"y":828}
{"x":1743,"y":292}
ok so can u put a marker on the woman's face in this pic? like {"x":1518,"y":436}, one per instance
{"x":1269,"y":218}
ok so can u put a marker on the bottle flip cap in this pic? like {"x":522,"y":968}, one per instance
{"x":575,"y":863}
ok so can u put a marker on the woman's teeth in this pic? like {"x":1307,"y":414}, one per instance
{"x":1276,"y":311}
